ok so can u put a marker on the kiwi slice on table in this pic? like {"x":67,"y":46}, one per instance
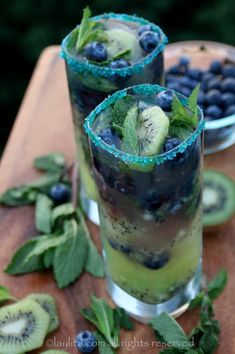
{"x":23,"y":327}
{"x":218,"y":199}
{"x":120,"y":40}
{"x":48,"y":304}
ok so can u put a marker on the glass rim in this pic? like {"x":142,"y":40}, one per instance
{"x":85,"y":66}
{"x":220,"y":123}
{"x":145,"y":89}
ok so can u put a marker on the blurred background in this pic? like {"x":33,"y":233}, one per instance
{"x":28,"y":26}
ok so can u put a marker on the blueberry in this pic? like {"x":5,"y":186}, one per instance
{"x":207,"y":75}
{"x":213,"y":112}
{"x":86,"y":342}
{"x":230,"y":110}
{"x":119,"y":64}
{"x":158,"y":263}
{"x":59,"y":193}
{"x":188,"y":82}
{"x":214,"y":83}
{"x":96,"y":51}
{"x":174,"y":69}
{"x":164,"y":100}
{"x":194,"y":74}
{"x":213,"y":97}
{"x":125,"y":249}
{"x":185,"y":91}
{"x":171,"y":144}
{"x":149,"y":41}
{"x":228,"y":70}
{"x":144,"y":28}
{"x":216,"y":67}
{"x":109,"y":137}
{"x":228,"y":99}
{"x":174,"y":85}
{"x":184,"y":61}
{"x":113,"y":244}
{"x":228,"y":85}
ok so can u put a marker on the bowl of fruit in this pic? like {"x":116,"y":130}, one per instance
{"x":213,"y":66}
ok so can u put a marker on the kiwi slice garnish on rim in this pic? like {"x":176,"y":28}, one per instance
{"x":23,"y":327}
{"x":152,"y":130}
{"x":218,"y":198}
{"x":120,"y":40}
{"x":48,"y":304}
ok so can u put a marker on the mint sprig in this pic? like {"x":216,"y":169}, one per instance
{"x":184,"y":119}
{"x":89,"y":31}
{"x":65,"y":244}
{"x":204,"y":338}
{"x":108,"y":322}
{"x":130,"y":141}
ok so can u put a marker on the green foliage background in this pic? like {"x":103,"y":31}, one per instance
{"x":27,"y":26}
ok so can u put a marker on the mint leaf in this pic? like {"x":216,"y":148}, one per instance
{"x":45,"y":243}
{"x":18,"y":196}
{"x":103,"y":346}
{"x":120,"y":109}
{"x":186,"y":116}
{"x":54,"y":162}
{"x":90,"y":315}
{"x":122,"y":320}
{"x":89,"y":31}
{"x":217,"y":285}
{"x":169,"y":331}
{"x":94,"y":263}
{"x":197,"y":301}
{"x":48,"y":258}
{"x":70,"y":257}
{"x":192,"y":102}
{"x":5,"y":294}
{"x":130,"y":140}
{"x":179,"y":131}
{"x":105,"y":319}
{"x":123,"y":54}
{"x":18,"y":265}
{"x":209,"y":342}
{"x":43,"y":213}
{"x":62,"y":212}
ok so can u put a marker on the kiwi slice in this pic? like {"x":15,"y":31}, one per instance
{"x":23,"y":327}
{"x":120,"y":40}
{"x":218,"y":198}
{"x":152,"y":130}
{"x":48,"y":304}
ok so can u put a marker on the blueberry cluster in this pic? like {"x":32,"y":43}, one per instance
{"x":217,"y":90}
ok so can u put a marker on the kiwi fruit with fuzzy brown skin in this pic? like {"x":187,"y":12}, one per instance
{"x":218,"y":200}
{"x":23,"y":327}
{"x":48,"y":304}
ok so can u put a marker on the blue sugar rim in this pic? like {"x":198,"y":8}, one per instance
{"x":84,"y":66}
{"x":145,"y":89}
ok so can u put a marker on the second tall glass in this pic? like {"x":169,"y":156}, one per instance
{"x":90,"y":84}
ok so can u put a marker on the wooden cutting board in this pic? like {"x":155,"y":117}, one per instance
{"x":43,"y":125}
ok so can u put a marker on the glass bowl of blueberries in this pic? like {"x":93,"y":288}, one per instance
{"x":212,"y":65}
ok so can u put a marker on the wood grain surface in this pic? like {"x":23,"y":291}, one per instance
{"x":43,"y":125}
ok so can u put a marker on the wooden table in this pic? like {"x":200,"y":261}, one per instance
{"x":44,"y":125}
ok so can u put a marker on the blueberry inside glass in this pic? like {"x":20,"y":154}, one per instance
{"x":104,"y":54}
{"x":146,"y":144}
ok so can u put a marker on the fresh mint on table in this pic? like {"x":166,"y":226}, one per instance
{"x":204,"y":338}
{"x":89,"y":31}
{"x":5,"y":295}
{"x":108,"y":322}
{"x":65,"y":244}
{"x":183,"y":120}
